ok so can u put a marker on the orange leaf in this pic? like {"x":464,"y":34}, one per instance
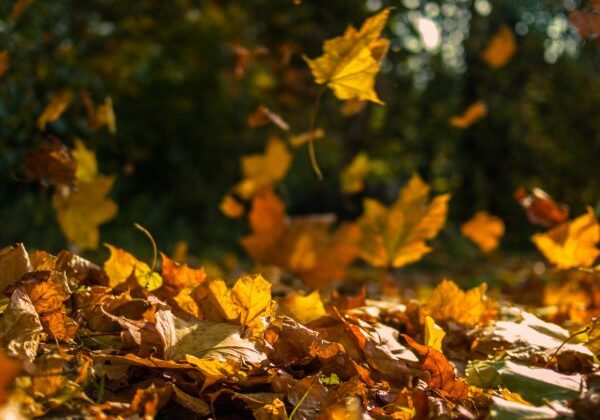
{"x":472,"y":114}
{"x":10,"y":368}
{"x":230,"y":207}
{"x":485,"y":230}
{"x":449,"y":303}
{"x":177,"y":276}
{"x":57,"y":106}
{"x":541,"y":209}
{"x":500,"y":49}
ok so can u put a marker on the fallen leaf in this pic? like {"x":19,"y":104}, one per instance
{"x":353,"y":175}
{"x":177,"y":276}
{"x":14,"y":262}
{"x":351,"y":62}
{"x":49,"y":377}
{"x":80,"y":213}
{"x":470,"y":116}
{"x":443,"y":378}
{"x":571,"y":244}
{"x":262,"y":171}
{"x":121,"y":265}
{"x":593,"y":339}
{"x":500,"y":48}
{"x":449,"y":303}
{"x":21,"y":327}
{"x":541,"y":209}
{"x":10,"y":368}
{"x":434,"y":334}
{"x":56,"y":107}
{"x":396,"y":236}
{"x":147,"y":401}
{"x":485,"y":230}
{"x":303,"y":308}
{"x":252,"y":295}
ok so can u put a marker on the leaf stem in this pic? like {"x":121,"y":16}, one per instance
{"x":576,"y":333}
{"x":152,"y":241}
{"x":312,"y":154}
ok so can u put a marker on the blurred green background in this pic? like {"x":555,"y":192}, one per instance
{"x":181,"y":110}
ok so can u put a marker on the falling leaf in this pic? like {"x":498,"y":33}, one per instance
{"x":51,"y":163}
{"x":263,"y":116}
{"x":351,"y":62}
{"x":4,"y":62}
{"x":484,"y":230}
{"x":396,"y":236}
{"x":87,"y":166}
{"x":541,"y":209}
{"x":587,"y":22}
{"x":14,"y":262}
{"x":434,"y":334}
{"x":471,"y":115}
{"x":571,"y":244}
{"x":80,"y":213}
{"x":442,"y":373}
{"x":449,"y":303}
{"x":10,"y":368}
{"x":243,"y":58}
{"x":500,"y":48}
{"x":303,"y":138}
{"x":353,"y":175}
{"x":261,"y":172}
{"x":121,"y":265}
{"x":252,"y":295}
{"x":18,"y":9}
{"x":105,"y":116}
{"x":303,"y":308}
{"x":56,"y":107}
{"x":352,"y":107}
{"x":230,"y":207}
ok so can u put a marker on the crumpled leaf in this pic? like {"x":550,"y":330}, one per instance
{"x":14,"y":262}
{"x":10,"y":369}
{"x":178,"y":276}
{"x":262,"y":171}
{"x":470,"y":116}
{"x":541,"y":209}
{"x":449,"y":303}
{"x":351,"y":62}
{"x":442,"y":378}
{"x":56,"y":107}
{"x":500,"y":48}
{"x":303,"y":308}
{"x":121,"y":265}
{"x":484,"y":230}
{"x":81,"y":212}
{"x":51,"y":163}
{"x":353,"y":175}
{"x":434,"y":334}
{"x":20,"y":327}
{"x":396,"y":236}
{"x":571,"y":244}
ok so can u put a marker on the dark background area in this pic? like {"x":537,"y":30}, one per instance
{"x":181,"y":112}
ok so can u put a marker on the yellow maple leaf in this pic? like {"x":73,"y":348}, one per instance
{"x":121,"y":265}
{"x":571,"y":244}
{"x":351,"y":62}
{"x":81,"y":212}
{"x":262,"y":171}
{"x":484,"y":230}
{"x":473,"y":113}
{"x":55,"y":108}
{"x":303,"y":308}
{"x":87,"y":166}
{"x":500,"y":49}
{"x":449,"y":303}
{"x":353,"y":175}
{"x":434,"y":334}
{"x":396,"y":236}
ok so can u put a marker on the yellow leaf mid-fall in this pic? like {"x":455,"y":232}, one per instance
{"x":396,"y":236}
{"x":571,"y":244}
{"x":351,"y":62}
{"x":484,"y":229}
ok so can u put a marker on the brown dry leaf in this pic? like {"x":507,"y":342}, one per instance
{"x":485,"y":230}
{"x":10,"y":368}
{"x":262,"y":171}
{"x":263,"y":116}
{"x":586,"y":22}
{"x":353,"y":175}
{"x":351,"y":62}
{"x":541,"y":209}
{"x":56,"y":107}
{"x":571,"y":244}
{"x":449,"y":303}
{"x":178,"y":276}
{"x":593,"y":339}
{"x":443,"y":379}
{"x":51,"y":163}
{"x":230,"y":207}
{"x":472,"y":114}
{"x":396,"y":236}
{"x":303,"y":308}
{"x":121,"y":265}
{"x":500,"y":49}
{"x":14,"y":262}
{"x":4,"y":62}
{"x":20,"y":327}
{"x":80,"y":213}
{"x":148,"y":401}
